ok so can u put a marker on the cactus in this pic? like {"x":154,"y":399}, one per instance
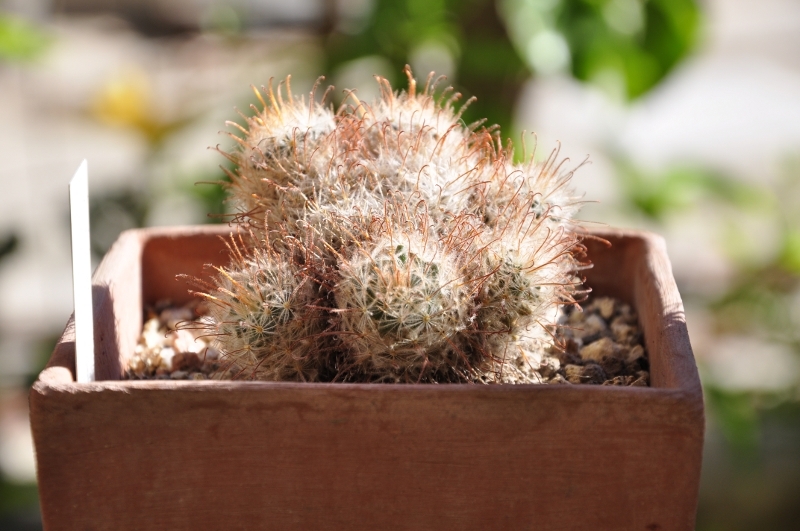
{"x":415,"y":144}
{"x":402,"y":305}
{"x":263,"y":312}
{"x":287,"y":155}
{"x":389,"y":242}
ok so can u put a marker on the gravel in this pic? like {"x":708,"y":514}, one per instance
{"x":600,"y":343}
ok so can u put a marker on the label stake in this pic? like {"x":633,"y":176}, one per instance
{"x":82,"y":275}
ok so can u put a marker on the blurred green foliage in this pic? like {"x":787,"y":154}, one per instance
{"x":683,"y":187}
{"x":626,"y":46}
{"x":635,"y":41}
{"x":737,"y":417}
{"x":788,"y":197}
{"x":760,"y":302}
{"x":763,"y":296}
{"x":20,"y":40}
{"x":19,"y":506}
{"x":486,"y":64}
{"x":751,"y":485}
{"x":790,"y":253}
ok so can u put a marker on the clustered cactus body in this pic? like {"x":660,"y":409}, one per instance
{"x":389,"y":242}
{"x":264,"y":316}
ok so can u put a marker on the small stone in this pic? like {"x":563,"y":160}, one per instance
{"x":549,"y":368}
{"x":622,"y":332}
{"x":619,"y":380}
{"x":136,"y":364}
{"x":567,"y":358}
{"x":576,"y":317}
{"x":166,"y":355}
{"x":184,"y":341}
{"x":602,"y":348}
{"x":634,"y":354}
{"x":594,"y":374}
{"x":573,"y":373}
{"x":605,"y":306}
{"x":557,"y":379}
{"x":573,"y":345}
{"x":593,"y":328}
{"x":178,"y":375}
{"x":151,"y":335}
{"x":186,"y":361}
{"x":612,"y":365}
{"x":171,"y":317}
{"x":626,"y":315}
{"x":152,"y":359}
{"x":589,"y":373}
{"x":197,"y":376}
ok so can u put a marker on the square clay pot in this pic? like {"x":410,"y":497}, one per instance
{"x":192,"y":455}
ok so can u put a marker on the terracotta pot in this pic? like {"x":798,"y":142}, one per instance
{"x":195,"y":455}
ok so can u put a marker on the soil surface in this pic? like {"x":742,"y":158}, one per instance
{"x":600,"y":343}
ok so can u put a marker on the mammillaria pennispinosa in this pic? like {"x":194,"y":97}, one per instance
{"x":389,"y":242}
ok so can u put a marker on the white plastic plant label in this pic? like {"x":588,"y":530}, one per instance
{"x":82,"y":275}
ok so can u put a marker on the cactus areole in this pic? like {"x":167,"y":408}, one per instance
{"x":389,"y":242}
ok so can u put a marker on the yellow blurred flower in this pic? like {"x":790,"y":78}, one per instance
{"x":125,"y":100}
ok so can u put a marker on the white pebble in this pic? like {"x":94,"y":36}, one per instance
{"x":166,"y":354}
{"x":593,"y":324}
{"x":605,"y":305}
{"x":602,"y":348}
{"x":184,"y":341}
{"x":152,"y":336}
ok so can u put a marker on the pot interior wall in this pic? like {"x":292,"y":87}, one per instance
{"x":166,"y":257}
{"x":615,"y":261}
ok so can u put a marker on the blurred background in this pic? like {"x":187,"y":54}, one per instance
{"x":689,"y":111}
